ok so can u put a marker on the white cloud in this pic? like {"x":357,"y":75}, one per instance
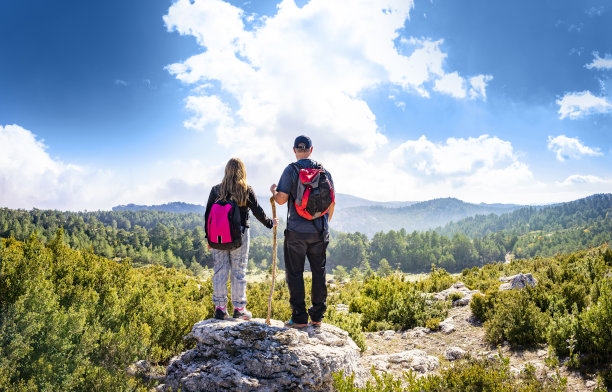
{"x":604,"y":63}
{"x":478,"y":85}
{"x":30,"y":177}
{"x":578,"y":179}
{"x":451,"y":84}
{"x":579,"y":104}
{"x":567,"y":147}
{"x":456,"y":157}
{"x":302,"y":69}
{"x":120,"y":82}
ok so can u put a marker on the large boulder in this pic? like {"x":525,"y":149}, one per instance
{"x":518,"y":281}
{"x":237,"y":355}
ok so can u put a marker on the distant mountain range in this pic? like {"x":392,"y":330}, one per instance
{"x":177,"y":206}
{"x":420,"y":216}
{"x":354,"y":214}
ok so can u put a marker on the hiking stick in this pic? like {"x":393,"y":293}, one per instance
{"x":272,"y":201}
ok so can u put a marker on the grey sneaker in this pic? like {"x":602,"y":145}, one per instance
{"x":221,"y":314}
{"x":242,"y":314}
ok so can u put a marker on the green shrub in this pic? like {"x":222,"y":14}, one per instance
{"x":454,"y":296}
{"x":392,"y":303}
{"x":478,"y":307}
{"x":71,"y":320}
{"x":516,"y":319}
{"x":560,"y":330}
{"x":437,"y":280}
{"x":351,"y":323}
{"x":594,"y":332}
{"x":482,"y":305}
{"x":433,"y":324}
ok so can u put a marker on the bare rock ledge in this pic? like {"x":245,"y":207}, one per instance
{"x":236,"y":355}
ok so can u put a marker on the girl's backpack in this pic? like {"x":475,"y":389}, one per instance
{"x":315,"y":192}
{"x":223,"y":226}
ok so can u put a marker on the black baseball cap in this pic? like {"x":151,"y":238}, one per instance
{"x":302,"y":142}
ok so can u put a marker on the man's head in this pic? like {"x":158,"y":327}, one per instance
{"x":302,"y":147}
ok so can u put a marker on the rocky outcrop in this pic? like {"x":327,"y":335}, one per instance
{"x":416,"y":360}
{"x":518,"y":281}
{"x":456,"y":288}
{"x":235,"y":355}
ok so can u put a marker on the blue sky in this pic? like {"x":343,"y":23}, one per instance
{"x":105,"y":103}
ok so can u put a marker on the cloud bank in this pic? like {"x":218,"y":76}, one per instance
{"x":261,"y":81}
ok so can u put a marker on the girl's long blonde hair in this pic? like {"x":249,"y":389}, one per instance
{"x":234,"y":182}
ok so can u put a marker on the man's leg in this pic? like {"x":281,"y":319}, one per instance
{"x":317,"y":257}
{"x":295,"y":256}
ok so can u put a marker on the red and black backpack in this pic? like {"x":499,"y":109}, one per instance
{"x":315,"y":192}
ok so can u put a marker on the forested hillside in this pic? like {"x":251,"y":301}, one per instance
{"x":177,"y":240}
{"x":578,"y":213}
{"x":418,"y":216}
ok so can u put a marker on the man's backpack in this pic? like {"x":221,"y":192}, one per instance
{"x":315,"y":192}
{"x":223,"y":226}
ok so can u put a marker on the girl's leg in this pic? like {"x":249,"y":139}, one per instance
{"x":221,"y":273}
{"x":238,"y":261}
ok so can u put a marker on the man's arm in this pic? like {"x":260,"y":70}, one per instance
{"x":331,"y":211}
{"x":280,"y":197}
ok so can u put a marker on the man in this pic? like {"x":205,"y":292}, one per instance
{"x":303,"y":238}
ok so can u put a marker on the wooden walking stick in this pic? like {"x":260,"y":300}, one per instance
{"x":272,"y":201}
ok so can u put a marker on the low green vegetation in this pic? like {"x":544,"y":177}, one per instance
{"x":73,"y":320}
{"x":392,"y":303}
{"x":470,"y":374}
{"x":570,"y":308}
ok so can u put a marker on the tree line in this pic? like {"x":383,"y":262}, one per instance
{"x":178,"y":240}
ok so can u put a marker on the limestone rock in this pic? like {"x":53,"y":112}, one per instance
{"x":518,"y":281}
{"x":238,"y":355}
{"x":416,"y":332}
{"x":447,"y":326}
{"x":454,"y":353}
{"x":416,"y":360}
{"x":457,"y":287}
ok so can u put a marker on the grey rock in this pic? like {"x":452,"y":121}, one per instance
{"x":462,"y":301}
{"x":238,"y":355}
{"x":518,"y":281}
{"x":417,"y":332}
{"x":447,"y":326}
{"x":454,"y":353}
{"x":457,"y":287}
{"x":416,"y":360}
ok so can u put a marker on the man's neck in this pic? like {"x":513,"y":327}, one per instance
{"x":299,"y":157}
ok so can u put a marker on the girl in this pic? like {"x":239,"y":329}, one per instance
{"x":234,"y":186}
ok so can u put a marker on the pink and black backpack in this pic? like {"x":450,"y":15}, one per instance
{"x":223,"y":225}
{"x":314,"y":194}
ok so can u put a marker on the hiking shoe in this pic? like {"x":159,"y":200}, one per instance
{"x":242,"y":314}
{"x":291,"y":324}
{"x":316,"y":324}
{"x":221,"y":313}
